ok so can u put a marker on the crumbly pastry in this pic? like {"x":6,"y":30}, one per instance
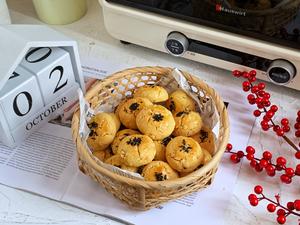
{"x":119,"y":137}
{"x":103,"y":130}
{"x":206,"y":139}
{"x":152,"y":92}
{"x":188,"y":123}
{"x":155,"y":121}
{"x":103,"y":154}
{"x":161,"y":148}
{"x":207,"y":156}
{"x":117,"y":161}
{"x":159,"y":171}
{"x":180,"y":101}
{"x":130,"y":108}
{"x":184,"y":154}
{"x":136,"y":150}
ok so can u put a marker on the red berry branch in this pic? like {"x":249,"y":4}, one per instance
{"x":282,"y":211}
{"x":265,"y":163}
{"x":259,"y":97}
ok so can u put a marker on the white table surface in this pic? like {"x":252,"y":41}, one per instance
{"x":19,"y":207}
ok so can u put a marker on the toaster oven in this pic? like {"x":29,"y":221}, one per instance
{"x":232,"y":34}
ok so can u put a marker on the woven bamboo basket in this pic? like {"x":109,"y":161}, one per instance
{"x":140,"y":194}
{"x":267,"y":21}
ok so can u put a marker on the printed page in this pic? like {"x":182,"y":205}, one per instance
{"x":44,"y":163}
{"x":202,"y":204}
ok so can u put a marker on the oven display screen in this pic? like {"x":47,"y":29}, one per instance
{"x":276,"y":21}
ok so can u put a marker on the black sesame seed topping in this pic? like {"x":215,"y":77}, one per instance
{"x":203,"y":135}
{"x":157,"y":117}
{"x":93,"y":125}
{"x":160,"y":176}
{"x":185,"y":147}
{"x":134,"y":106}
{"x":136,"y":141}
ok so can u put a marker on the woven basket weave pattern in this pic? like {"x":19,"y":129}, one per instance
{"x":141,"y":194}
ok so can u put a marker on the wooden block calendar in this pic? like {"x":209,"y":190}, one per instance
{"x":40,"y":74}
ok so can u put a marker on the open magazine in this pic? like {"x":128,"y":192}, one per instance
{"x":46,"y":164}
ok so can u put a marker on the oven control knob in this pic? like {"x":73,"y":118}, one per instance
{"x":281,"y":72}
{"x":176,"y":44}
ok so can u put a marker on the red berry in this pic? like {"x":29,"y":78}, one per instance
{"x":252,"y":79}
{"x":251,"y":97}
{"x":290,"y":172}
{"x":263,"y":163}
{"x":250,"y":156}
{"x":261,"y":86}
{"x":254,"y":202}
{"x":297,"y":170}
{"x":258,"y":189}
{"x":284,"y":121}
{"x":240,"y":154}
{"x":290,"y":205}
{"x":267,"y":95}
{"x":261,"y":94}
{"x":266,"y":118}
{"x":250,"y":150}
{"x":259,"y":101}
{"x":271,"y":207}
{"x":285,"y":179}
{"x":270,"y":169}
{"x":280,"y":132}
{"x":257,"y":113}
{"x":286,"y":129}
{"x":246,"y":89}
{"x":246,"y":84}
{"x":298,"y":113}
{"x":281,"y":219}
{"x":236,"y":73}
{"x":297,"y":155}
{"x":245,"y":75}
{"x":274,"y":108}
{"x":297,"y":126}
{"x":258,"y":168}
{"x":252,"y":196}
{"x":254,"y":89}
{"x":270,"y":114}
{"x":276,"y":127}
{"x":267,"y":103}
{"x":267,"y":155}
{"x":253,"y":163}
{"x":234,"y":158}
{"x":271,"y":174}
{"x":266,"y":127}
{"x":297,"y":204}
{"x":297,"y":133}
{"x":281,"y":161}
{"x":280,"y":212}
{"x":264,"y":123}
{"x":279,"y":168}
{"x":229,"y":147}
{"x":298,"y":119}
{"x":252,"y":73}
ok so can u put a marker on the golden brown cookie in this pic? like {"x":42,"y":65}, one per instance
{"x":161,"y":149}
{"x":116,"y":119}
{"x":153,"y":93}
{"x":103,"y":154}
{"x":136,"y":150}
{"x":102,"y":131}
{"x":184,"y":154}
{"x":206,"y":139}
{"x":119,"y":137}
{"x":117,"y":161}
{"x":155,"y":121}
{"x":207,"y":157}
{"x":188,"y":123}
{"x":159,"y":171}
{"x":130,"y":108}
{"x":179,"y":101}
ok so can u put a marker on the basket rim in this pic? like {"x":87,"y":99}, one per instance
{"x":153,"y":184}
